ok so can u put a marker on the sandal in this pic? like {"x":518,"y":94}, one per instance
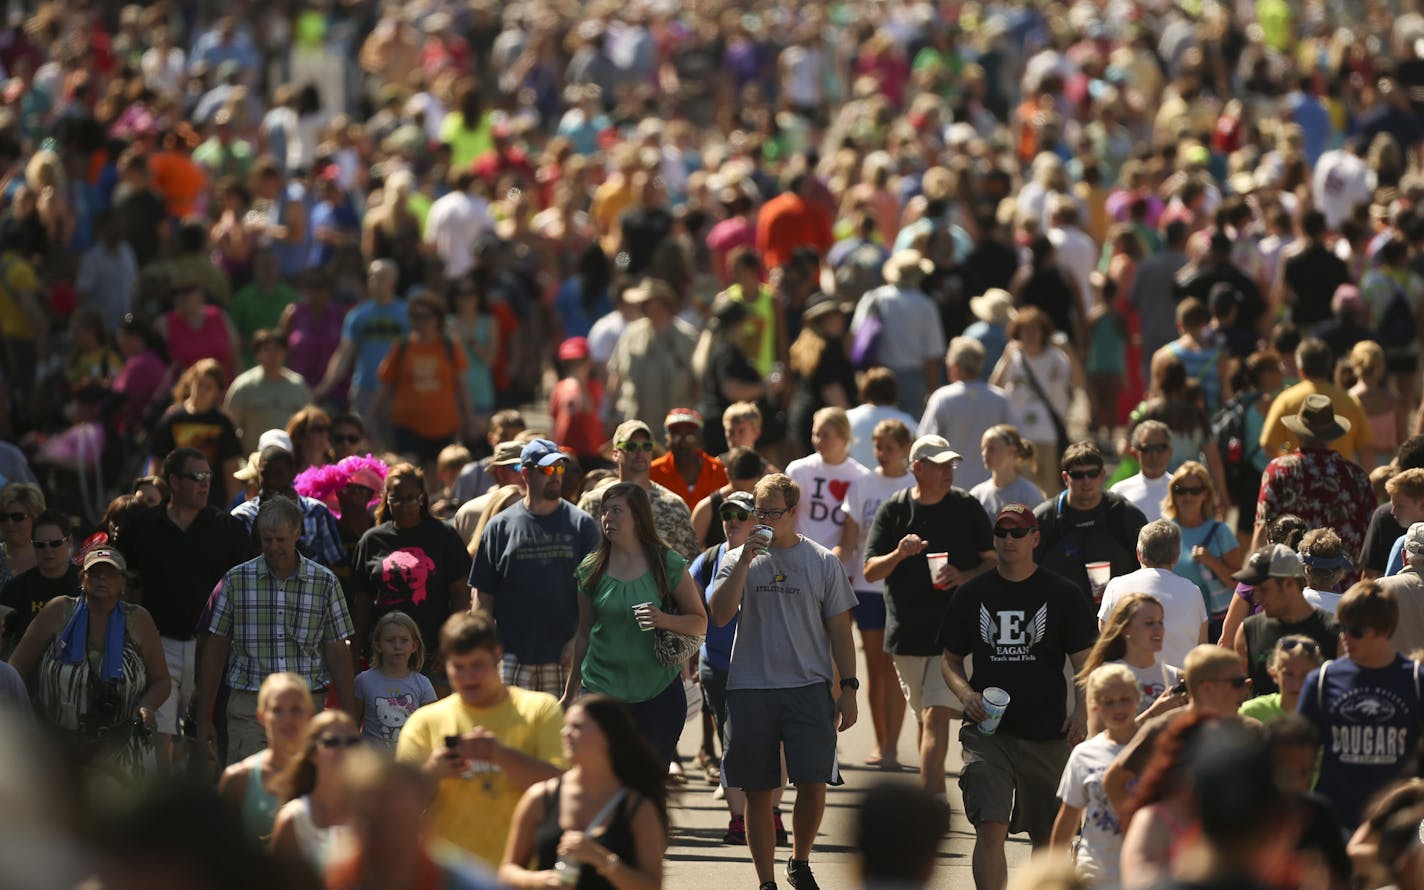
{"x":710,"y":768}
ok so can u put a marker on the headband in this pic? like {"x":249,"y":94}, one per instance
{"x":1340,"y":563}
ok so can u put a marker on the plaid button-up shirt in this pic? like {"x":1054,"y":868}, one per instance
{"x":277,"y":625}
{"x":321,"y":536}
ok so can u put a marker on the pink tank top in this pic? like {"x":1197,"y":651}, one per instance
{"x":187,"y":345}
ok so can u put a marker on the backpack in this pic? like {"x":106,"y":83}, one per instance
{"x":709,"y":566}
{"x":1228,"y":428}
{"x":405,"y":342}
{"x":859,"y":272}
{"x":1395,"y":331}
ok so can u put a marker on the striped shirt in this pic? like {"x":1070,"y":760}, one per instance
{"x":321,"y":536}
{"x":277,"y":625}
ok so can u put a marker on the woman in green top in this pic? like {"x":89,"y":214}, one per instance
{"x":623,"y":586}
{"x":1293,"y":658}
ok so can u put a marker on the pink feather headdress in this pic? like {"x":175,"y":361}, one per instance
{"x":324,"y":482}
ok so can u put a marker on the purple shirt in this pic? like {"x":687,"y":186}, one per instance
{"x":314,"y":340}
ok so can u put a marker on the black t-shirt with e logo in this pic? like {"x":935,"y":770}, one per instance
{"x":1019,"y":633}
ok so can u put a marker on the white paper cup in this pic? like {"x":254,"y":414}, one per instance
{"x":1099,"y":574}
{"x":996,"y":701}
{"x":937,"y":561}
{"x":640,"y":624}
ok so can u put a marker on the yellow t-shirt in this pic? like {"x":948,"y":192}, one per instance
{"x":474,"y":811}
{"x":20,"y":281}
{"x":1277,"y":440}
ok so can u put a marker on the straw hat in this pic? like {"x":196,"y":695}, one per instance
{"x":995,"y":306}
{"x":904,"y":262}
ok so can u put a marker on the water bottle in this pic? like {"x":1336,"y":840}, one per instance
{"x":568,"y":871}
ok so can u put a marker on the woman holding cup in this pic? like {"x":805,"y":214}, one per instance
{"x":1210,"y":552}
{"x":632,"y":585}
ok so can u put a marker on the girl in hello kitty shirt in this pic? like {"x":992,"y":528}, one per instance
{"x":390,"y":691}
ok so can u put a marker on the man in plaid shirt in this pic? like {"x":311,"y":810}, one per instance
{"x":278,"y":612}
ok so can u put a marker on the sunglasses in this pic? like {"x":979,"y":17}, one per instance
{"x":347,"y":741}
{"x":550,"y":470}
{"x":197,"y":477}
{"x":1015,"y":532}
{"x":1310,"y":647}
{"x":1189,"y":490}
{"x":1236,"y":682}
{"x":14,"y":517}
{"x":1094,"y":473}
{"x":632,"y":447}
{"x":1153,"y":449}
{"x":345,"y":440}
{"x":734,"y":514}
{"x":693,"y":433}
{"x":1355,"y":631}
{"x":49,"y":545}
{"x":769,"y":514}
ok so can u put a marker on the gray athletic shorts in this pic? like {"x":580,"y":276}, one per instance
{"x":761,"y":722}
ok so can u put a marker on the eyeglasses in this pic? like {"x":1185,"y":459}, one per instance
{"x":1094,"y":473}
{"x":1310,"y":647}
{"x":1355,"y":631}
{"x":351,"y":439}
{"x":1189,"y":490}
{"x":204,"y":476}
{"x":50,"y":545}
{"x":770,"y":514}
{"x":734,"y":514}
{"x":1015,"y":531}
{"x":347,"y":741}
{"x":14,"y":517}
{"x":408,"y":499}
{"x":550,"y":470}
{"x":1154,"y":449}
{"x":632,"y":447}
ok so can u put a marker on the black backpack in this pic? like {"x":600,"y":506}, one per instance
{"x":1395,"y":330}
{"x":1228,"y":428}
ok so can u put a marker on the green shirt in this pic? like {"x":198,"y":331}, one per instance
{"x":619,"y":661}
{"x":1264,"y":708}
{"x":254,"y":309}
{"x":760,"y":328}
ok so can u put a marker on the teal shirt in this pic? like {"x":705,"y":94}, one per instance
{"x":620,"y":661}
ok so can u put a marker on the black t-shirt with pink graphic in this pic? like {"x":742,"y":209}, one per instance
{"x":410,"y":570}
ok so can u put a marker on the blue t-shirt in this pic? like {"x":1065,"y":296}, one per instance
{"x":387,"y":702}
{"x":1369,"y":726}
{"x":1217,"y":538}
{"x":1396,"y":557}
{"x":527,"y":562}
{"x":717,"y":646}
{"x":372,"y":328}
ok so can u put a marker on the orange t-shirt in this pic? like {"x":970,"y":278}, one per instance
{"x":180,"y":181}
{"x":785,"y":223}
{"x":711,"y":477}
{"x":424,"y":381}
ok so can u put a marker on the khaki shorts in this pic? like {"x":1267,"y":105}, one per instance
{"x":1011,"y":781}
{"x":923,"y":683}
{"x":245,"y":736}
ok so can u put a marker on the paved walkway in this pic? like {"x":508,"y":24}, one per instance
{"x":697,"y":858}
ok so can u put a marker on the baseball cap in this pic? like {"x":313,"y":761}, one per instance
{"x":1271,"y":561}
{"x":573,"y":349}
{"x":105,"y":554}
{"x":745,"y":500}
{"x":934,"y":449}
{"x":682,"y":415}
{"x":541,"y":453}
{"x":1017,"y":515}
{"x":1414,"y":538}
{"x":278,"y":438}
{"x":508,"y":454}
{"x":627,"y":428}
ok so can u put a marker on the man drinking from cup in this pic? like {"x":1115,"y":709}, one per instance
{"x":916,"y":528}
{"x":1019,"y":622}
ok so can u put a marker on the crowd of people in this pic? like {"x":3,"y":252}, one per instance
{"x":409,"y":452}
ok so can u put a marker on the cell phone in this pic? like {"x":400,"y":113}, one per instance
{"x":452,"y":742}
{"x":1180,"y":688}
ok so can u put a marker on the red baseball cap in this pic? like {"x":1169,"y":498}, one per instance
{"x":573,"y":349}
{"x":1016,"y":515}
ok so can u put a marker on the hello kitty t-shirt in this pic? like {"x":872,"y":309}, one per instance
{"x":823,"y":490}
{"x":388,"y":702}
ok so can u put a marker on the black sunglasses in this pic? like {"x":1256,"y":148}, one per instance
{"x":1236,"y":682}
{"x":1355,"y":631}
{"x":14,"y":517}
{"x":1308,"y":646}
{"x":197,"y":477}
{"x":49,"y":545}
{"x":1094,"y":473}
{"x":1192,"y":490}
{"x":334,"y":741}
{"x":1015,"y":532}
{"x":339,"y":439}
{"x":1154,"y":449}
{"x":734,"y":514}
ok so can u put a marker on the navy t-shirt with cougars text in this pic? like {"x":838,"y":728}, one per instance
{"x":1369,"y":727}
{"x":1019,"y":633}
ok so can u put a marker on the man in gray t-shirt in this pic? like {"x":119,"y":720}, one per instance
{"x":792,"y":601}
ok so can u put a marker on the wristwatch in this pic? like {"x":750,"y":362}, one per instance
{"x":850,"y":683}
